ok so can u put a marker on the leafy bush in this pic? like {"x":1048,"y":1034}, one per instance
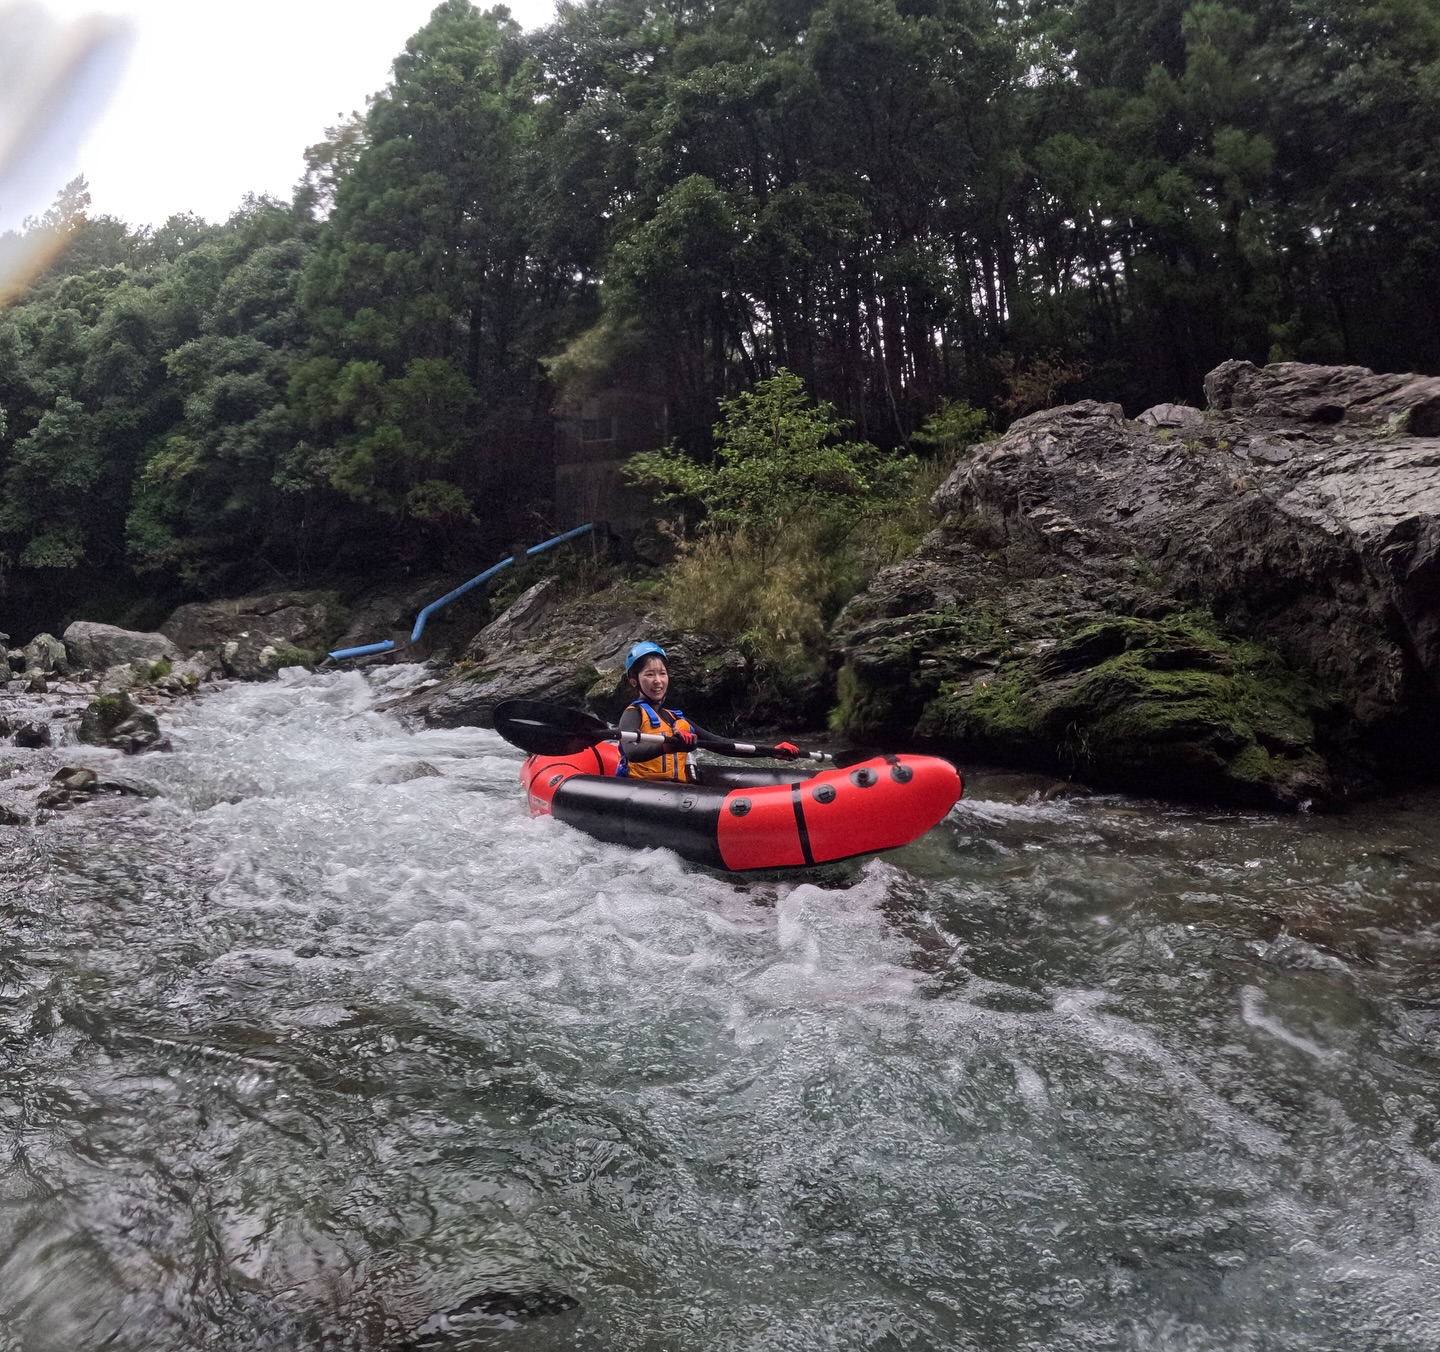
{"x":772,"y":596}
{"x":795,"y":520}
{"x":779,"y":459}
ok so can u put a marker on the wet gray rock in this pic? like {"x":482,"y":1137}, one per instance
{"x":102,"y":716}
{"x":571,"y":650}
{"x":1245,"y":606}
{"x":115,"y":679}
{"x":200,"y":667}
{"x":1172,"y":416}
{"x":1296,"y":392}
{"x":140,"y":732}
{"x":45,"y":655}
{"x":255,"y":656}
{"x":75,"y":784}
{"x":9,"y":817}
{"x":116,"y":721}
{"x":254,"y":637}
{"x":95,"y":647}
{"x":32,"y":734}
{"x":404,"y":774}
{"x":76,"y":779}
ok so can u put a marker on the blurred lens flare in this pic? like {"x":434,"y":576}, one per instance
{"x":55,"y":80}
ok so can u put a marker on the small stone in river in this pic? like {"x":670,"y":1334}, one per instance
{"x":139,"y":732}
{"x":126,"y":786}
{"x":76,"y":779}
{"x":103,"y":716}
{"x":403,"y":774}
{"x":9,"y":818}
{"x":32,"y":735}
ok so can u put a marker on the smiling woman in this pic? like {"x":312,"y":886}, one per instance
{"x":219,"y":102}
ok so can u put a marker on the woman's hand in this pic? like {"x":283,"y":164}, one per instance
{"x":785,"y":750}
{"x":680,"y":740}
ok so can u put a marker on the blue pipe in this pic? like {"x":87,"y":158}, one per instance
{"x":385,"y":647}
{"x":389,"y":644}
{"x":487,"y":575}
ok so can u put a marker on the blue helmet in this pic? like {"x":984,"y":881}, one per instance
{"x":639,"y":652}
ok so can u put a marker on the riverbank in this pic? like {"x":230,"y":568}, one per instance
{"x":1234,"y":606}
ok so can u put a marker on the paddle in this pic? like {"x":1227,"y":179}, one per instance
{"x":552,"y":730}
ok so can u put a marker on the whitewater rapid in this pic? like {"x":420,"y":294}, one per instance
{"x":328,"y":1043}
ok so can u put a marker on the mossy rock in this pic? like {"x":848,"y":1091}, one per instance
{"x":102,"y":716}
{"x":1172,"y":706}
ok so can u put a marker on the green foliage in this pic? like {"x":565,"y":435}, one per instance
{"x":771,"y":597}
{"x":918,"y":209}
{"x":146,"y":672}
{"x":952,"y":428}
{"x":783,"y":501}
{"x":778,"y":459}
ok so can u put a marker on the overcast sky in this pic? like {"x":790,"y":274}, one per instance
{"x":221,"y":98}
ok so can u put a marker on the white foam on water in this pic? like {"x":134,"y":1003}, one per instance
{"x":394,"y":1039}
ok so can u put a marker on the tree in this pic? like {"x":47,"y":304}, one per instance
{"x":779,"y":459}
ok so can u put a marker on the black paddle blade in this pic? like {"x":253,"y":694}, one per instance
{"x":845,"y":759}
{"x":548,"y":729}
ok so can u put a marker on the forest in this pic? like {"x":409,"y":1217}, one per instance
{"x":907,"y":204}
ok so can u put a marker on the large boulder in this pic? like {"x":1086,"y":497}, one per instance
{"x":45,"y":655}
{"x":1242,"y":605}
{"x":255,"y":636}
{"x":567,"y":649}
{"x":97,"y":647}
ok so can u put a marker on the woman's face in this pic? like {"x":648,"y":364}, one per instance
{"x":653,"y":679}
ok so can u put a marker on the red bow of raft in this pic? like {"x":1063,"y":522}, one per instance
{"x":742,"y":818}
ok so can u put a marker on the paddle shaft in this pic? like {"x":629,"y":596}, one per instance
{"x":551,"y":730}
{"x":653,"y":744}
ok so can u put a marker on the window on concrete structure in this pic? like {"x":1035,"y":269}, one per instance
{"x":597,"y":429}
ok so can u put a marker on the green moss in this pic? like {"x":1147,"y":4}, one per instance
{"x":152,"y":671}
{"x":863,"y":708}
{"x":1183,"y":703}
{"x":287,"y":655}
{"x":994,"y":711}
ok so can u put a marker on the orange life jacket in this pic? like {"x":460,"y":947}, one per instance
{"x":673,"y":764}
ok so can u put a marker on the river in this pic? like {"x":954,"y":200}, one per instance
{"x":305,"y":1052}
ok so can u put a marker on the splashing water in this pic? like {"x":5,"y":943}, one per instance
{"x":330,"y":1045}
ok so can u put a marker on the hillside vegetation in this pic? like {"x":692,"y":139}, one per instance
{"x":1002,"y":203}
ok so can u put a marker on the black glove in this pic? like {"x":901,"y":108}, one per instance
{"x":680,"y":740}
